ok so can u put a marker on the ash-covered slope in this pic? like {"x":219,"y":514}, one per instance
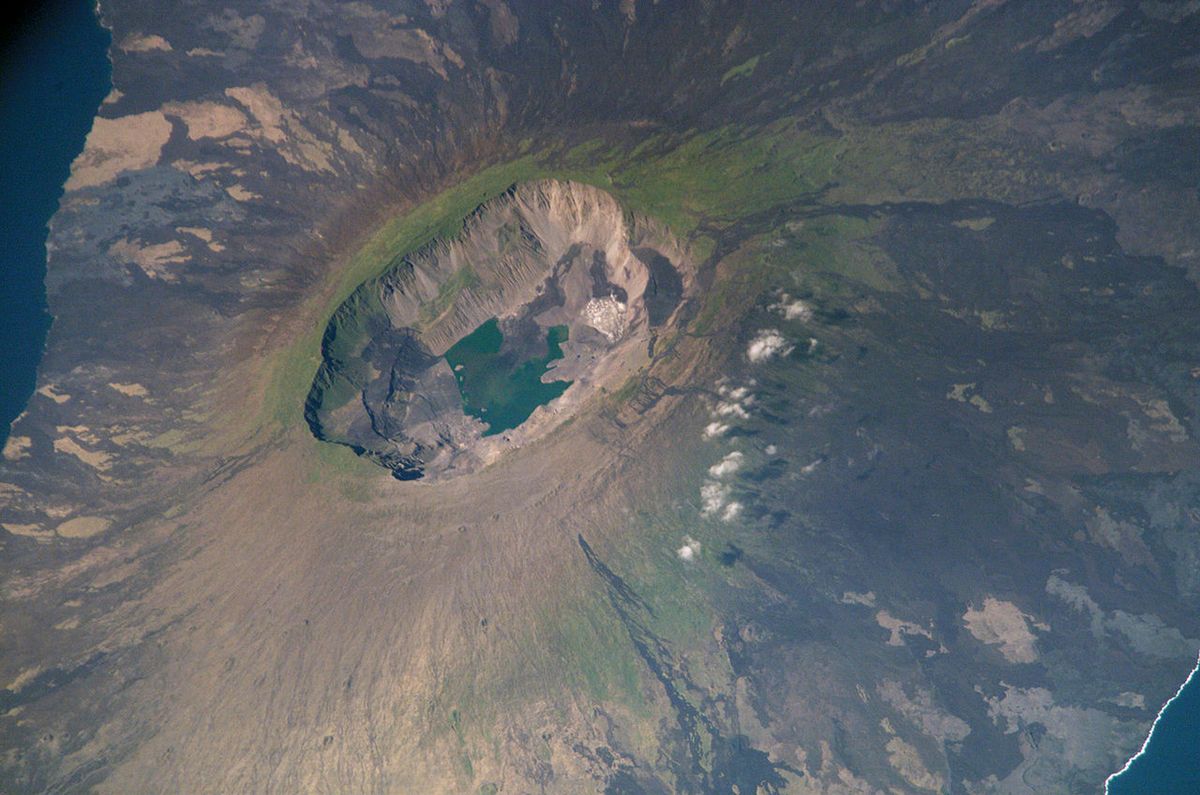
{"x":901,"y":500}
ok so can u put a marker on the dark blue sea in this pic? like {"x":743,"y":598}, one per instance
{"x":1170,"y":762}
{"x":54,"y":72}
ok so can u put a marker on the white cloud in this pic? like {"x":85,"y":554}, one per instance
{"x":713,"y":497}
{"x":727,"y":466}
{"x":732,"y":511}
{"x":740,"y":394}
{"x":767,"y":344}
{"x":792,"y":308}
{"x":690,"y":549}
{"x":732,"y":410}
{"x":735,"y":404}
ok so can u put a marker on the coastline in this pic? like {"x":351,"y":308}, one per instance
{"x":43,"y":92}
{"x":1153,"y":728}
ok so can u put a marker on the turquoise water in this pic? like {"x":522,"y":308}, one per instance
{"x":499,"y":388}
{"x":54,"y":72}
{"x":1170,"y":762}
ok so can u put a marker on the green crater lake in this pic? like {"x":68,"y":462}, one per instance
{"x":501,"y":388}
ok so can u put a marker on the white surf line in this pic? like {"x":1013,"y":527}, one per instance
{"x":1153,"y":727}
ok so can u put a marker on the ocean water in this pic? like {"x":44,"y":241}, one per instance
{"x":1169,"y":763}
{"x":54,"y":72}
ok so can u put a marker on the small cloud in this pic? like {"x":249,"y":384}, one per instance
{"x":735,"y":404}
{"x":732,"y":410}
{"x":690,"y":549}
{"x":792,"y":308}
{"x":713,"y":497}
{"x":727,"y":465}
{"x":732,"y":511}
{"x":740,"y":394}
{"x":715,"y":429}
{"x":771,"y":449}
{"x":767,"y":344}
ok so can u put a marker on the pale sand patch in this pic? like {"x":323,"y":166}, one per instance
{"x":136,"y":42}
{"x":980,"y":402}
{"x":26,"y":676}
{"x":1002,"y":624}
{"x":117,"y":145}
{"x":922,"y":712}
{"x":110,"y":576}
{"x":241,"y":194}
{"x":203,"y":234}
{"x":94,"y":458}
{"x":196,"y":231}
{"x":27,"y":530}
{"x":266,"y":109}
{"x":899,"y":628}
{"x":347,"y":141}
{"x":17,"y":447}
{"x":1129,"y":700}
{"x":154,"y":259}
{"x":51,"y":391}
{"x":80,"y":431}
{"x":10,"y":490}
{"x":68,"y":623}
{"x":207,"y":119}
{"x":280,"y":126}
{"x":83,"y":527}
{"x":865,"y":599}
{"x":409,"y":44}
{"x":130,"y":390}
{"x":124,"y":439}
{"x":113,"y":97}
{"x":906,"y":761}
{"x":198,"y":170}
{"x":963,"y":394}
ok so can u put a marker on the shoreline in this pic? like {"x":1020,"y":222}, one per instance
{"x":1153,"y":727}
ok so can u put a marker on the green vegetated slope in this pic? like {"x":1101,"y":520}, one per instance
{"x":497,"y":387}
{"x":715,"y":178}
{"x":731,"y":182}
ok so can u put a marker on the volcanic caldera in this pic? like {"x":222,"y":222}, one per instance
{"x":542,"y":256}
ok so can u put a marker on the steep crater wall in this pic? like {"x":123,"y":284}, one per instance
{"x":546,"y":260}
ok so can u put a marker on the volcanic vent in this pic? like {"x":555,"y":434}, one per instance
{"x":483,"y":342}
